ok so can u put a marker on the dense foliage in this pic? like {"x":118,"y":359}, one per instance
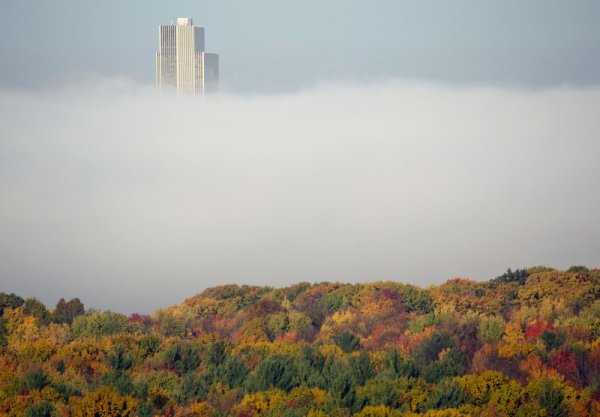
{"x":523,"y":344}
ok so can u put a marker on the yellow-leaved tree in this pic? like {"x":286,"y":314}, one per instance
{"x":513,"y":342}
{"x":104,"y":402}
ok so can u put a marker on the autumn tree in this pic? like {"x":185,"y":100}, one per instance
{"x":464,"y":348}
{"x":104,"y":402}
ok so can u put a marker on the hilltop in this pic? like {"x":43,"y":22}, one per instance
{"x":525,"y":343}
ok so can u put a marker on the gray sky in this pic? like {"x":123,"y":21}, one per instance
{"x":273,"y":45}
{"x":381,"y":140}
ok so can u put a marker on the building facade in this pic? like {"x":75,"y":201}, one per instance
{"x":181,"y":61}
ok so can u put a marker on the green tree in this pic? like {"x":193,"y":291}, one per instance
{"x":276,"y":371}
{"x":216,"y":354}
{"x":343,"y":390}
{"x":551,"y":399}
{"x":551,"y":339}
{"x":310,"y":365}
{"x":361,"y":368}
{"x":519,"y":275}
{"x":98,"y":323}
{"x":234,"y":372}
{"x":400,"y":366}
{"x":35,"y":308}
{"x":3,"y":332}
{"x":380,"y":391}
{"x":300,"y":323}
{"x":66,"y":390}
{"x":150,"y":344}
{"x":277,"y":324}
{"x":119,"y":359}
{"x":490,"y":329}
{"x":171,"y":326}
{"x":118,"y":380}
{"x":453,"y":363}
{"x":145,"y":409}
{"x":40,"y":409}
{"x":35,"y":379}
{"x":182,"y":357}
{"x":378,"y":411}
{"x":347,"y":341}
{"x":429,"y":349}
{"x":193,"y":387}
{"x":66,"y":311}
{"x":9,"y":300}
{"x":530,"y":410}
{"x":578,"y":268}
{"x":447,"y":394}
{"x":415,"y":299}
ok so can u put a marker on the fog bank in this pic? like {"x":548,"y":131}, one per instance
{"x":131,"y":200}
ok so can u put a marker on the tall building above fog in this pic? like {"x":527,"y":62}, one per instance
{"x":181,"y":62}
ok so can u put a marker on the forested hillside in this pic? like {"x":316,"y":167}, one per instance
{"x":523,"y":344}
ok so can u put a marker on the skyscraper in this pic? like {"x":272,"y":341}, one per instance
{"x":181,"y":62}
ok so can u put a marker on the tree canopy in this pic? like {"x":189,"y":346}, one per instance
{"x":526,"y":343}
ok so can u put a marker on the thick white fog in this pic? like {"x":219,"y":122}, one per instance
{"x":131,"y":200}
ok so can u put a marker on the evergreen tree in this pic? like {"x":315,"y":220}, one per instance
{"x":65,"y":312}
{"x":551,"y":399}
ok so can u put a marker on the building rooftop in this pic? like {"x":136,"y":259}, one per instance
{"x":184,"y":21}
